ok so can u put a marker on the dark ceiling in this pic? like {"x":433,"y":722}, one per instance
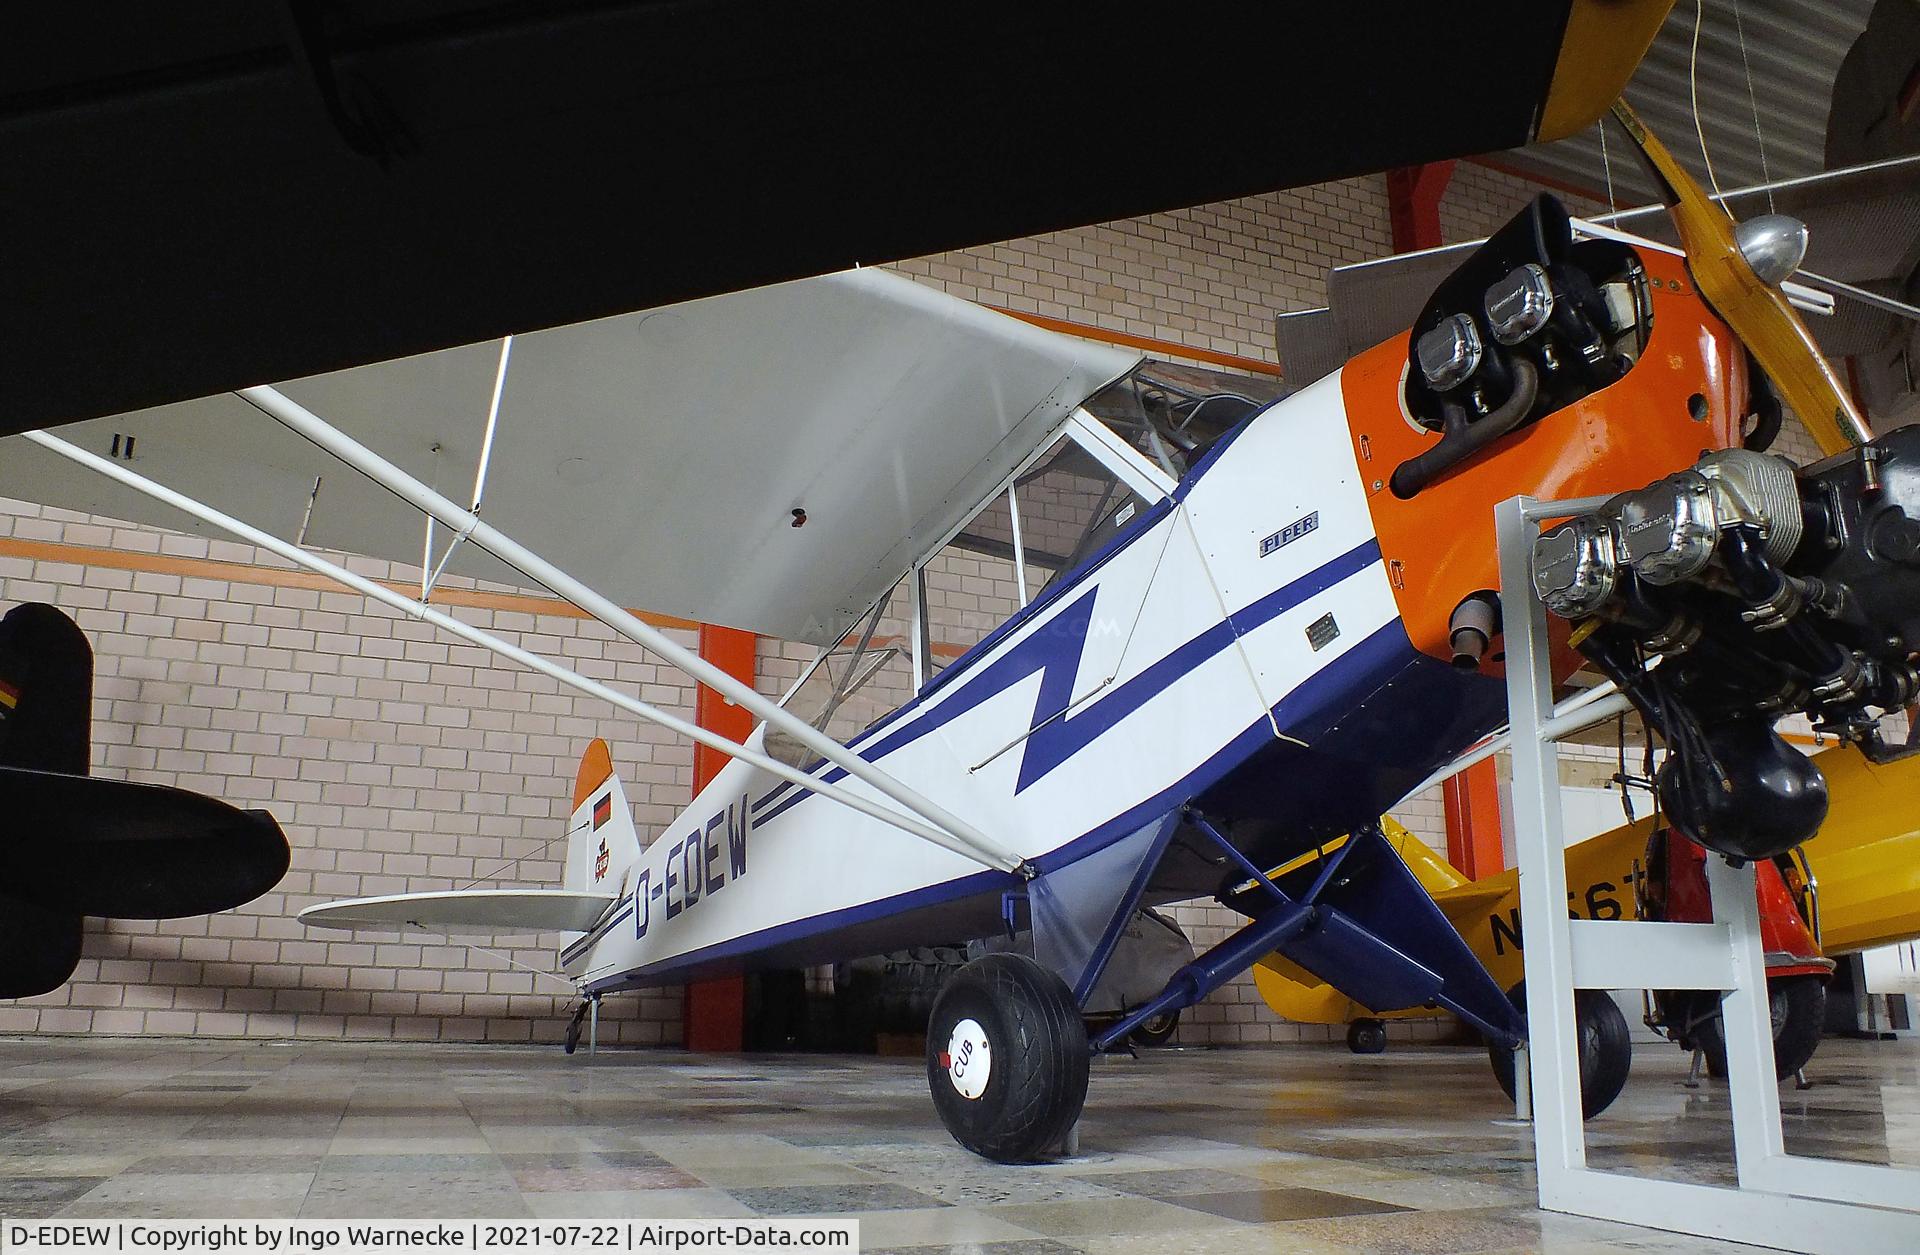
{"x":201,"y":197}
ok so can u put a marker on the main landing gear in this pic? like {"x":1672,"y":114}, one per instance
{"x":1007,"y":1058}
{"x":1008,"y":1048}
{"x":1606,"y":1049}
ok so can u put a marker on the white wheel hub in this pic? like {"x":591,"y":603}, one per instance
{"x":969,"y":1060}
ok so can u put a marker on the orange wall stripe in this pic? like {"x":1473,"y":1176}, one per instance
{"x":281,"y":577}
{"x":1233,"y":361}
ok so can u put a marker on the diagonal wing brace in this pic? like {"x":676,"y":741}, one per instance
{"x":419,"y":610}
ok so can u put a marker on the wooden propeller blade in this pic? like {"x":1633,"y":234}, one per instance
{"x":1757,"y":311}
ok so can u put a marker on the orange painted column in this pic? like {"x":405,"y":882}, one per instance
{"x":1473,"y":821}
{"x":1413,"y":204}
{"x":715,"y":1010}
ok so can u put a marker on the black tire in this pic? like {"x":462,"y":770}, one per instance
{"x":1367,"y":1036}
{"x":1036,"y":1054}
{"x":571,"y":1042}
{"x":1606,"y":1049}
{"x":1799,"y":1008}
{"x":1157,"y":1030}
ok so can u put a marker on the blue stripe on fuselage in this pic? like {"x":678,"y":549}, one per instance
{"x":1359,"y":671}
{"x":1055,"y":650}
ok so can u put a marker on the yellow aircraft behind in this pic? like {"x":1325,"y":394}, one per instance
{"x":1865,"y":860}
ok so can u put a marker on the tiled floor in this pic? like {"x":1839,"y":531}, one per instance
{"x":1296,"y":1148}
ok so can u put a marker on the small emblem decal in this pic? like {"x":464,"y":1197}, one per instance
{"x":1290,"y":533}
{"x":600,"y":862}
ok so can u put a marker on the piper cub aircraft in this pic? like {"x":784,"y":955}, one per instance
{"x":1227,"y":649}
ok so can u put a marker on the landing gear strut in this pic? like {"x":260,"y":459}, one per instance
{"x":1008,"y":1049}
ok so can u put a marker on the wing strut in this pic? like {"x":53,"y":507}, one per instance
{"x":302,"y":421}
{"x":420,"y":610}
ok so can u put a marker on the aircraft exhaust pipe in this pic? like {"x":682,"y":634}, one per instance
{"x":1470,"y":632}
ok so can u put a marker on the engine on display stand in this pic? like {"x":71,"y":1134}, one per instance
{"x":1726,"y":597}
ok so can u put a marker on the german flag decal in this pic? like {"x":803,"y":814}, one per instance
{"x":603,"y":809}
{"x":9,"y":695}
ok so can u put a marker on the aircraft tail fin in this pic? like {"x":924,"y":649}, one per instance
{"x":1458,"y":898}
{"x":601,"y":841}
{"x":46,"y":691}
{"x":1435,"y":874}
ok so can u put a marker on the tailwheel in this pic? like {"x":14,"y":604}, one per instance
{"x":1367,"y":1036}
{"x":1007,"y":1058}
{"x":572,"y":1041}
{"x":1156,"y":1030}
{"x":1799,"y":1010}
{"x":1606,"y":1049}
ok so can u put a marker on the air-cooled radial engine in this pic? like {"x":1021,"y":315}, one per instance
{"x":1727,"y":596}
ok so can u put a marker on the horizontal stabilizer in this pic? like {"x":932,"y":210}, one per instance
{"x":468,"y":911}
{"x":1469,"y":900}
{"x":80,"y":845}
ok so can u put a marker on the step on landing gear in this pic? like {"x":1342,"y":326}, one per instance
{"x":1007,"y":1059}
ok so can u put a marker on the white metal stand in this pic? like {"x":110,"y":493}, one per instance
{"x":1782,"y":1200}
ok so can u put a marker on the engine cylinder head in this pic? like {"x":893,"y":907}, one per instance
{"x":1574,"y":567}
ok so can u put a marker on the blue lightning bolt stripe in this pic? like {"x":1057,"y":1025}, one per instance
{"x":1055,"y":649}
{"x":1365,"y":667}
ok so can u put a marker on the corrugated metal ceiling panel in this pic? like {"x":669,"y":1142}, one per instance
{"x":1793,"y":50}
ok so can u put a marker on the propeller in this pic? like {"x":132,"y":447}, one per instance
{"x":1723,"y":258}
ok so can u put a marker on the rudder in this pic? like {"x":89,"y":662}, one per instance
{"x":601,"y":841}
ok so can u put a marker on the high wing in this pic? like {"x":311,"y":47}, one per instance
{"x":661,"y":457}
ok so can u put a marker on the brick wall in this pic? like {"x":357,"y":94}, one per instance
{"x":395,"y":759}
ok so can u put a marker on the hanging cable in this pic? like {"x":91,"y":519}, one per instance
{"x":1753,"y":103}
{"x":1606,"y":165}
{"x":1693,"y":90}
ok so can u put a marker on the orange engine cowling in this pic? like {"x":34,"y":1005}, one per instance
{"x":1685,"y":393}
